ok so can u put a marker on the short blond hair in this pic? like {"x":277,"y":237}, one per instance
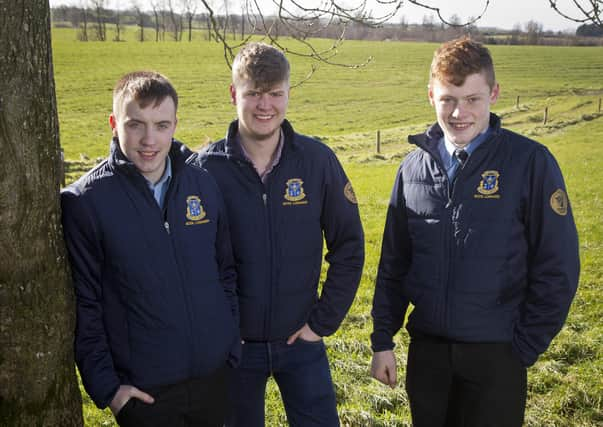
{"x":262,"y":64}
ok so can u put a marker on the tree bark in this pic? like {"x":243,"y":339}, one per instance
{"x":38,"y":386}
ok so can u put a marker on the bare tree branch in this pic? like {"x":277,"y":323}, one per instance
{"x":303,"y":19}
{"x":438,"y":12}
{"x":582,"y":11}
{"x":300,"y":20}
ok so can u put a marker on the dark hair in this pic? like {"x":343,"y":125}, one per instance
{"x":145,"y":87}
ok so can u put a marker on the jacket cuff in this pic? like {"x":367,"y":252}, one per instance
{"x":321,"y":332}
{"x":526,"y":359}
{"x":234,"y":357}
{"x":381,"y":341}
{"x":104,"y":401}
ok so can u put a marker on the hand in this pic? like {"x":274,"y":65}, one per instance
{"x":383,"y":367}
{"x":125,"y":393}
{"x":306,"y":334}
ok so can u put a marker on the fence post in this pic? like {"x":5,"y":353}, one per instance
{"x":517,"y":102}
{"x":378,"y":142}
{"x":546,"y":115}
{"x":599,"y":104}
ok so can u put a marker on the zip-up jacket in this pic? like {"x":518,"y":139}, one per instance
{"x":492,"y":258}
{"x":155,"y":288}
{"x":277,"y":231}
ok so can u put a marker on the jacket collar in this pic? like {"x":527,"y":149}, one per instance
{"x":231,"y":148}
{"x":119,"y":162}
{"x":429,"y":139}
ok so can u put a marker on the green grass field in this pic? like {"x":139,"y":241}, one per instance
{"x":345,"y":108}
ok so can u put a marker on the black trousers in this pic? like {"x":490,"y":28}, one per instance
{"x":199,"y":402}
{"x":451,"y":384}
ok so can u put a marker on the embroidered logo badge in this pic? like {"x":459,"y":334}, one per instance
{"x":559,"y":202}
{"x":488,"y":186}
{"x":294,"y":192}
{"x":194,"y":211}
{"x":349,"y":194}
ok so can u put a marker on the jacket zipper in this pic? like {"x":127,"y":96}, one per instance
{"x":163,"y":217}
{"x":187,"y":299}
{"x":449,"y":248}
{"x":268,"y":313}
{"x":448,"y":241}
{"x":445,"y":237}
{"x":264,"y":190}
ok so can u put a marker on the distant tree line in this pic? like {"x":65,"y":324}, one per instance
{"x":158,"y":24}
{"x":166,"y":23}
{"x":432,"y":30}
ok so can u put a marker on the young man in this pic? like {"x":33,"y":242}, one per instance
{"x":480,"y":238}
{"x":147,"y":235}
{"x":284,"y":192}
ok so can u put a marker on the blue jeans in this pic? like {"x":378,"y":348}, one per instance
{"x":301,"y":371}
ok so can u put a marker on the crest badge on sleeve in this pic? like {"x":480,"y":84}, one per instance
{"x":559,"y":202}
{"x":488,"y":186}
{"x":349,"y":194}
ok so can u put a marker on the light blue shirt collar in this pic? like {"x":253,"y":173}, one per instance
{"x":159,"y":189}
{"x":446,"y":150}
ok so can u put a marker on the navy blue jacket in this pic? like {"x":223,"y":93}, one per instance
{"x":494,"y":259}
{"x":277,"y":230}
{"x":155,"y":288}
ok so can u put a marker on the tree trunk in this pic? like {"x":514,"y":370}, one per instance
{"x":141,"y":24}
{"x":99,"y":26}
{"x":242,"y":24}
{"x":156,"y":25}
{"x":38,"y":386}
{"x":208,"y":21}
{"x":181,"y":25}
{"x":84,"y":36}
{"x":117,"y":26}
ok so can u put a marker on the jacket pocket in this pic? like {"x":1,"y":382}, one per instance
{"x":124,"y":416}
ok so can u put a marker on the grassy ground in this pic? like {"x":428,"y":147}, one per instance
{"x":345,"y":108}
{"x":389,"y":93}
{"x":565,"y":385}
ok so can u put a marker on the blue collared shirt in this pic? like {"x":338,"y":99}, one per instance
{"x":446,"y":149}
{"x":159,"y":189}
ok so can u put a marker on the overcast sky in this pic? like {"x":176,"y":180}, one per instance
{"x":501,"y":13}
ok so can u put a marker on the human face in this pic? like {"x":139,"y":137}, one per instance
{"x":463,"y":112}
{"x":260,"y":111}
{"x":145,"y":135}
